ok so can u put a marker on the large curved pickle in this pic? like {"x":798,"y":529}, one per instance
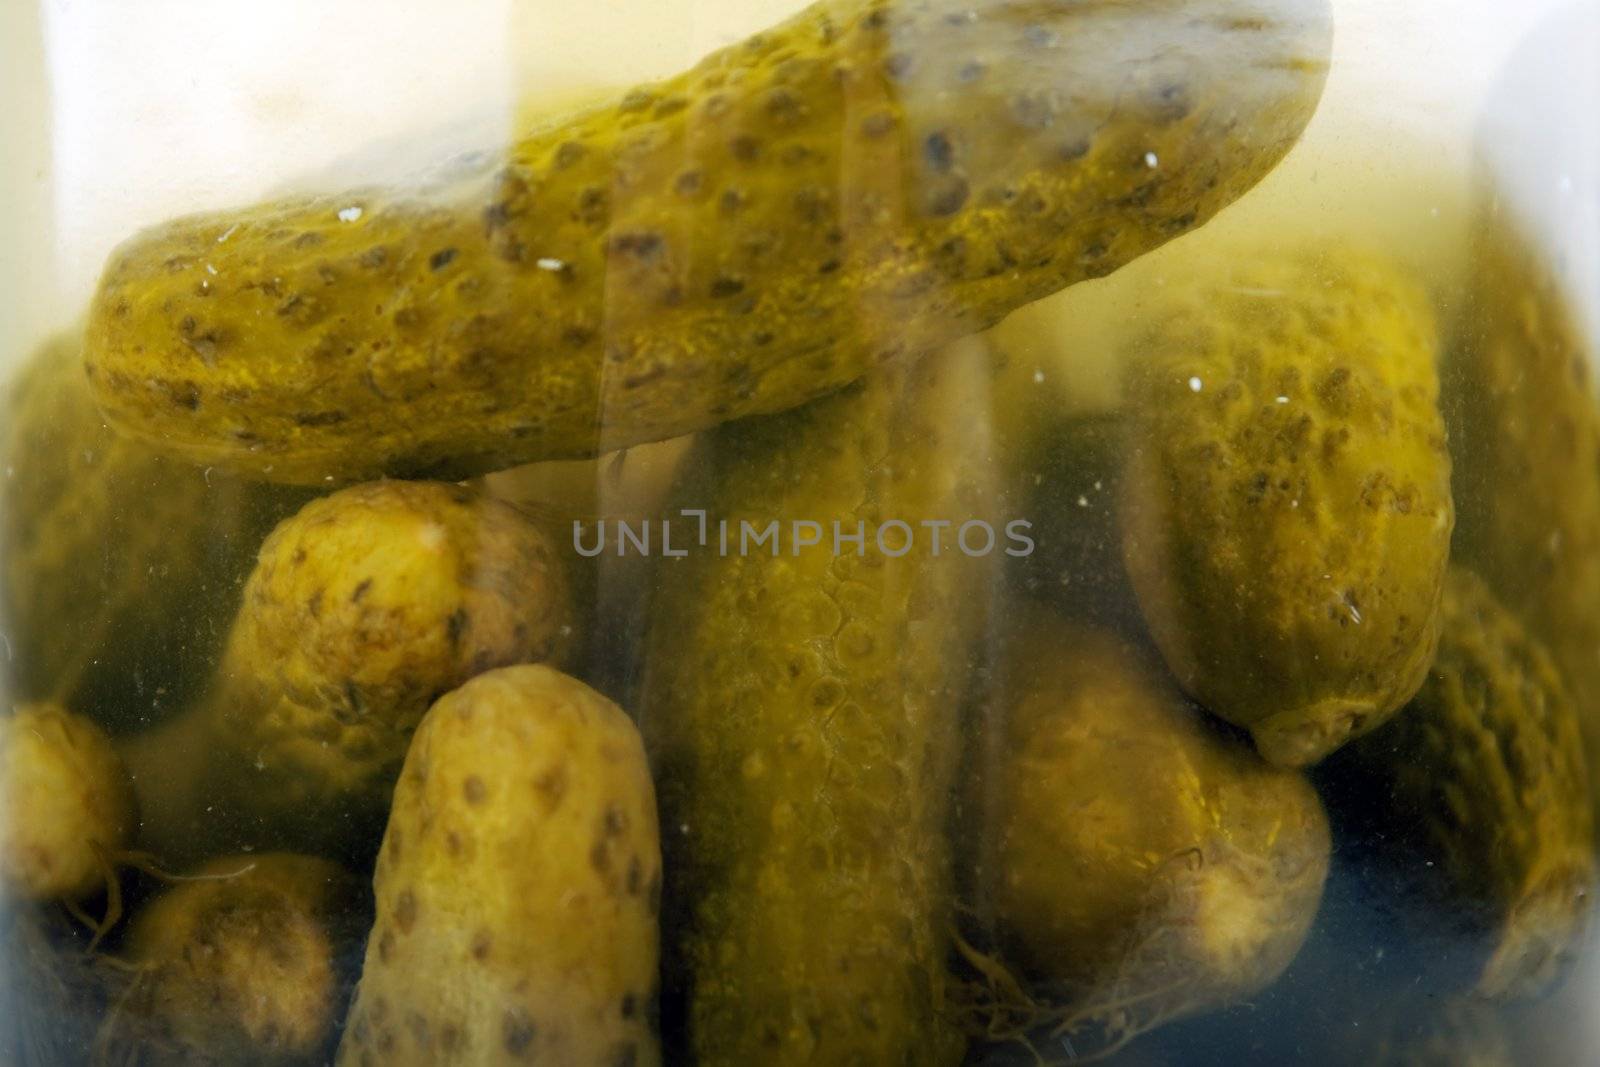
{"x":1286,"y":504}
{"x":801,"y":708}
{"x":861,"y":183}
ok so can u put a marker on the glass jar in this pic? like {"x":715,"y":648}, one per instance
{"x":886,"y":532}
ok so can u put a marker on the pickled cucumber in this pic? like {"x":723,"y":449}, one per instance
{"x":801,"y":707}
{"x":246,"y":963}
{"x":1138,"y":864}
{"x":1486,"y":769}
{"x":363,"y":608}
{"x":1286,"y":505}
{"x":518,"y":886}
{"x":121,"y":568}
{"x":66,"y":807}
{"x":860,"y":183}
{"x":1527,"y":442}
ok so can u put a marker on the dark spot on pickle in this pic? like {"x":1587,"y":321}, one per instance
{"x":726,"y":286}
{"x":877,"y":124}
{"x":948,"y":198}
{"x":641,"y":245}
{"x":897,"y":66}
{"x":482,"y":942}
{"x":405,"y":911}
{"x":456,"y":625}
{"x":308,"y":239}
{"x":689,"y":183}
{"x":938,"y":151}
{"x":441,"y":259}
{"x":474,"y":790}
{"x":568,"y":153}
{"x":635,"y":877}
{"x":745,"y":148}
{"x":629,"y":1006}
{"x":636,"y":100}
{"x":517,"y":1032}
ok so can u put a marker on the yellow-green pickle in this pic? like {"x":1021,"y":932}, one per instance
{"x":860,"y":183}
{"x":518,"y":887}
{"x":120,"y":567}
{"x":1138,"y":864}
{"x":245,"y":962}
{"x":1527,"y":434}
{"x":1487,"y":768}
{"x":801,"y":708}
{"x":942,"y":533}
{"x":66,"y":806}
{"x":362,"y":609}
{"x":1286,"y":503}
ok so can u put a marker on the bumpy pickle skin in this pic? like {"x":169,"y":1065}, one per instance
{"x":862,"y":182}
{"x":802,"y":710}
{"x":120,"y":567}
{"x":1487,"y":767}
{"x":1138,"y":864}
{"x":66,"y":806}
{"x":1526,"y":438}
{"x":518,"y":887}
{"x":1286,"y":504}
{"x":363,"y":608}
{"x":246,"y":963}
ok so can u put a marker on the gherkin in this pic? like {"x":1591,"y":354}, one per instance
{"x":120,"y":567}
{"x":1486,"y":768}
{"x":1286,"y":503}
{"x":1527,"y":444}
{"x":860,"y":183}
{"x":1139,"y":863}
{"x":801,"y":712}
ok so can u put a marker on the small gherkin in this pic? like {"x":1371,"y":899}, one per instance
{"x":861,"y":183}
{"x":120,"y":567}
{"x":1286,"y":504}
{"x":801,"y":711}
{"x":1487,"y":767}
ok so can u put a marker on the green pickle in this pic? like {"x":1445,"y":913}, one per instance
{"x":120,"y":567}
{"x":861,"y":183}
{"x":1487,"y":770}
{"x":1137,"y":863}
{"x":518,"y":887}
{"x":363,"y":608}
{"x":1286,"y":504}
{"x":801,"y":709}
{"x":1527,"y":442}
{"x":245,"y":962}
{"x":66,"y":805}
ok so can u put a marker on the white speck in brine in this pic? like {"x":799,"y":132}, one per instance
{"x":350,"y":214}
{"x":210,"y":269}
{"x":1283,"y":400}
{"x":683,"y":828}
{"x":1038,"y":377}
{"x":1097,"y":485}
{"x":205,"y":476}
{"x":1195,"y":385}
{"x":1083,"y":501}
{"x":550,"y":263}
{"x":1151,"y":161}
{"x":229,"y":232}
